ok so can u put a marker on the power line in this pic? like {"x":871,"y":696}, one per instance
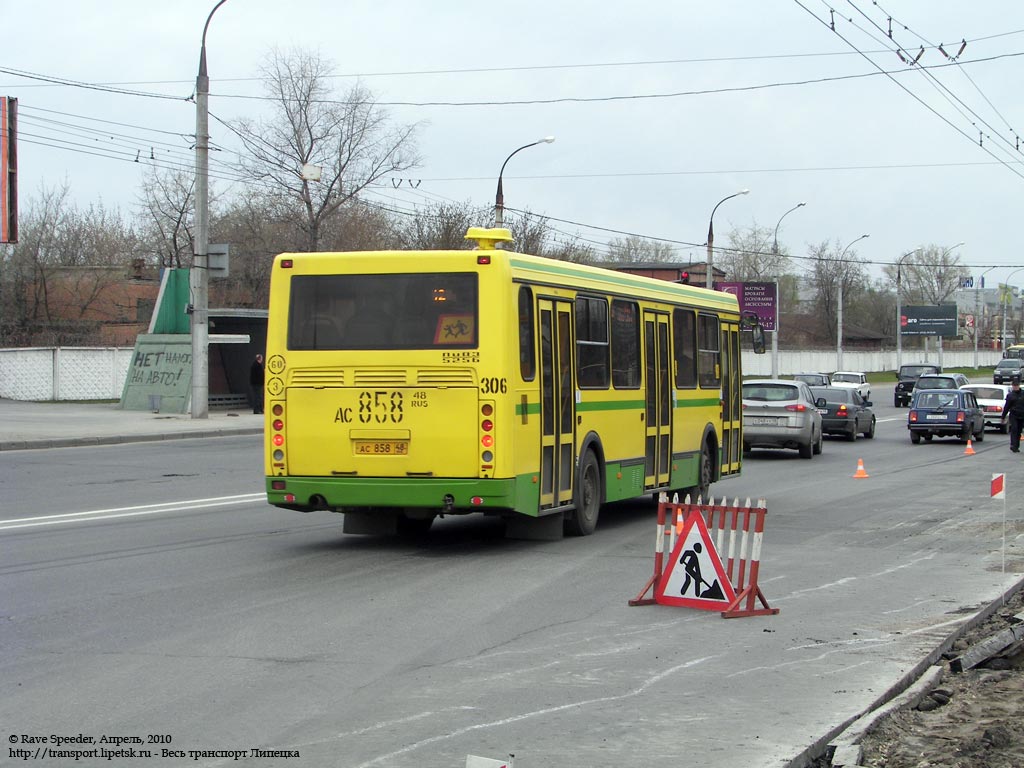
{"x":910,"y":93}
{"x":628,"y":97}
{"x":944,"y":91}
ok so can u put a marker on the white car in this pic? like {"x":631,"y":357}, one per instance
{"x":991,"y":398}
{"x":853,"y":380}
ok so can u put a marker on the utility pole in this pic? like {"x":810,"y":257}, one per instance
{"x":199,"y":276}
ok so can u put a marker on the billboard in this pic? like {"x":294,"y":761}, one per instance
{"x":755,"y":298}
{"x":8,"y":170}
{"x":928,"y":320}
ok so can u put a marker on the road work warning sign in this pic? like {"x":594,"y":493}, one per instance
{"x":694,"y":576}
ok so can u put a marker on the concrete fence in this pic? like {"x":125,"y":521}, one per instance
{"x":64,"y":373}
{"x":98,"y":373}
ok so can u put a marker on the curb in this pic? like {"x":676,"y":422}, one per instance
{"x":77,"y":442}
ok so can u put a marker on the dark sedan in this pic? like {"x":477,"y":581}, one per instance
{"x":845,"y":413}
{"x":945,"y":413}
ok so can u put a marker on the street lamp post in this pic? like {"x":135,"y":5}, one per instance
{"x":711,"y":235}
{"x":775,"y":329}
{"x":899,"y":312}
{"x":499,"y":197}
{"x":1005,"y":303}
{"x":839,"y":308}
{"x":775,"y":239}
{"x":977,"y":313}
{"x":199,"y":275}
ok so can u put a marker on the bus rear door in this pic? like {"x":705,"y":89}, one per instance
{"x":557,"y":403}
{"x":658,"y":416}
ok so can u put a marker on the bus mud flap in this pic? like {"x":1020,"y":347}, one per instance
{"x":546,"y":528}
{"x":371,"y":523}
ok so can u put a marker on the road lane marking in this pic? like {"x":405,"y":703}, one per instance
{"x":133,"y":511}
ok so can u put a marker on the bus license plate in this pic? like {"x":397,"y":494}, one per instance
{"x":382,"y":447}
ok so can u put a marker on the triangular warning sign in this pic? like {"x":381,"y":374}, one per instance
{"x":694,"y":577}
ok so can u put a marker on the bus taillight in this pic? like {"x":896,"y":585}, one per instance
{"x":279,"y":440}
{"x":487,"y":441}
{"x":278,"y":425}
{"x":487,"y":425}
{"x":487,"y":409}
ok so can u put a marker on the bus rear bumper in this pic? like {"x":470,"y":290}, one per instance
{"x":343,"y":494}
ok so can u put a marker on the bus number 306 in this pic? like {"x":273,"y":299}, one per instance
{"x":493,"y":385}
{"x":380,"y":407}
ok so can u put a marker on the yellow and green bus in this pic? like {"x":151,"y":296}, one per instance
{"x":403,"y":385}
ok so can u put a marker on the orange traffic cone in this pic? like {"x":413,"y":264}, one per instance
{"x":968,"y":451}
{"x":860,"y":469}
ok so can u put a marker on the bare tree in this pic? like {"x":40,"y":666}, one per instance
{"x":749,"y":256}
{"x":62,"y":280}
{"x":440,"y":226}
{"x":166,"y":210}
{"x":929,"y":275}
{"x":350,"y":141}
{"x":635,"y":249}
{"x":832,"y":271}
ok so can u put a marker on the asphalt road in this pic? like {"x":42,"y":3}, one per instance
{"x":148,"y":590}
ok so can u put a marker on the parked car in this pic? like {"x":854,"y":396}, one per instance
{"x":845,"y":413}
{"x":991,"y":398}
{"x":906,"y":378}
{"x":941,"y":381}
{"x":945,"y":413}
{"x":780,"y":413}
{"x":854,"y":380}
{"x":813,"y":379}
{"x":1007,"y":370}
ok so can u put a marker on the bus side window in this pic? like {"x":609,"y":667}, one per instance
{"x":685,"y":346}
{"x":625,"y":344}
{"x":527,"y":354}
{"x":708,"y":370}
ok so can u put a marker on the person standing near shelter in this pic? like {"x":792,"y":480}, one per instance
{"x":256,"y":384}
{"x":1013,"y":412}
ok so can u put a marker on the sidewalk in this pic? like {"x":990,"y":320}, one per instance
{"x":25,"y":424}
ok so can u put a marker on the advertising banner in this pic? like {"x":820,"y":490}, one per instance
{"x":929,"y":320}
{"x":755,"y":298}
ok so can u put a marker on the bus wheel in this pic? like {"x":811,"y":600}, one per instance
{"x":583,"y":519}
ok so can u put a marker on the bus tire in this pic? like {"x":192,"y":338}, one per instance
{"x":583,"y":519}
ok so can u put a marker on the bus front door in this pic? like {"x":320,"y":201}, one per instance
{"x":732,"y":415}
{"x":658,"y":413}
{"x":557,"y":403}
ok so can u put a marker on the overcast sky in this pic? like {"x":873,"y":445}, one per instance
{"x":659,"y":109}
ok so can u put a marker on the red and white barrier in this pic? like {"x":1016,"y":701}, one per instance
{"x":741,"y":566}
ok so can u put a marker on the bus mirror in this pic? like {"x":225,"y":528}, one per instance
{"x":757,"y":339}
{"x":750,"y":322}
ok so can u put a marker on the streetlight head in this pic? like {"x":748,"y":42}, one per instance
{"x":547,"y":140}
{"x":743,"y":192}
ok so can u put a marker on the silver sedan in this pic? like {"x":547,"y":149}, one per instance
{"x":781,"y":413}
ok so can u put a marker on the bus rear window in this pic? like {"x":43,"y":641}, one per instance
{"x":389,"y":311}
